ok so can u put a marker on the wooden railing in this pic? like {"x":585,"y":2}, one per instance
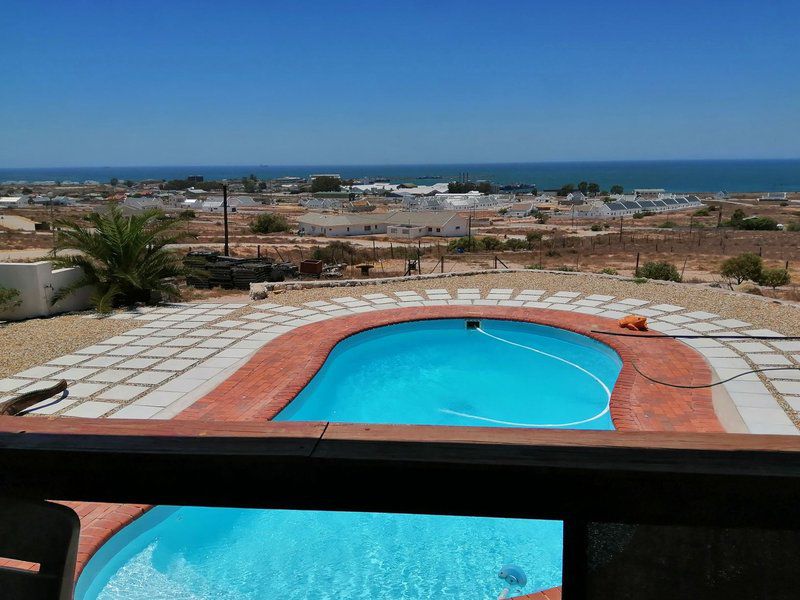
{"x":745,"y":484}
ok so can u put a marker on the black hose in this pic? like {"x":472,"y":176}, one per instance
{"x":662,"y":336}
{"x":708,"y":385}
{"x":698,"y":336}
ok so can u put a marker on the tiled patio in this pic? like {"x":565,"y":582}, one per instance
{"x":182,"y":351}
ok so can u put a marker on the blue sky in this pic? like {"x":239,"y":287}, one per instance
{"x":329,"y":82}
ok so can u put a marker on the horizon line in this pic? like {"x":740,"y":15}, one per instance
{"x":404,"y":164}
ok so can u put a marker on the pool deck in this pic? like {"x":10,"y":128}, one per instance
{"x":266,"y":382}
{"x":275,"y":374}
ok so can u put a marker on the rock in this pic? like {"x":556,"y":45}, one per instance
{"x":258,"y":291}
{"x":748,"y":287}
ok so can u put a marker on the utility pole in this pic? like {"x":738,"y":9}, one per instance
{"x":469,"y":232}
{"x":225,"y":214}
{"x":53,"y":222}
{"x":620,"y":229}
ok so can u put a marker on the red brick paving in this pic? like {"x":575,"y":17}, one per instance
{"x":276,"y":374}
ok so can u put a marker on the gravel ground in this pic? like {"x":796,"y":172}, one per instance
{"x":33,"y":342}
{"x":757,"y":310}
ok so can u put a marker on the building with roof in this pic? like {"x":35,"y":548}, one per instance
{"x":13,"y":201}
{"x":575,"y":198}
{"x":398,"y":223}
{"x":521,"y":209}
{"x":421,"y":223}
{"x":774,"y":197}
{"x":627,"y":208}
{"x":341,"y":225}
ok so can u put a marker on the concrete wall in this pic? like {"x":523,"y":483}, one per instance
{"x":17,"y":223}
{"x":37,"y":283}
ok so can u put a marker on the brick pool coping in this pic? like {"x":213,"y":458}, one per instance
{"x":277,"y":372}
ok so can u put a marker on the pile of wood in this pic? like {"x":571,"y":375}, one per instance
{"x":210,"y":269}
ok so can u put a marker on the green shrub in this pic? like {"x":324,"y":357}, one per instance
{"x":668,"y":225}
{"x":335,"y":252}
{"x":269,"y":223}
{"x":462,"y":243}
{"x":567,"y":268}
{"x":9,"y":298}
{"x":608,"y":271}
{"x":758,"y":224}
{"x":745,"y":266}
{"x":663,"y":271}
{"x":596,"y":227}
{"x":793,"y":226}
{"x":535,"y":267}
{"x":491,"y":243}
{"x":124,"y":259}
{"x":703,"y":212}
{"x":515,"y":244}
{"x":533,"y":236}
{"x":639,"y":280}
{"x":775,"y":278}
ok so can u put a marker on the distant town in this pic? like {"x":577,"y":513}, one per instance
{"x":457,"y":225}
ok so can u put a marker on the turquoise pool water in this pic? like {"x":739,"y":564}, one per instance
{"x":439,"y":372}
{"x":433,"y":372}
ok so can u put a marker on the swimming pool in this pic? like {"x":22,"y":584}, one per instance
{"x":439,"y":372}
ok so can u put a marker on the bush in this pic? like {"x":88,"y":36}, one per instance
{"x":758,"y":224}
{"x":185,"y":215}
{"x":608,"y":271}
{"x":533,"y":236}
{"x":641,"y":215}
{"x":536,"y":267}
{"x":703,"y":212}
{"x":335,"y":252}
{"x":793,"y":226}
{"x":744,"y":266}
{"x":515,"y":244}
{"x":775,"y":278}
{"x":269,"y":223}
{"x":663,"y":271}
{"x":9,"y":298}
{"x":668,"y":225}
{"x":462,"y":243}
{"x":491,"y":243}
{"x":596,"y":227}
{"x":124,"y":259}
{"x":326,"y":184}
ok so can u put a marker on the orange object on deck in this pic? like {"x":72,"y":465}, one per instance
{"x":634,"y":323}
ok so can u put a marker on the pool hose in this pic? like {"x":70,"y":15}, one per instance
{"x":662,"y":336}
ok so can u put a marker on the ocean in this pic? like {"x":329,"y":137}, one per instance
{"x":673,"y":175}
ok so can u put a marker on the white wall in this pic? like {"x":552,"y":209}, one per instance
{"x":37,"y":283}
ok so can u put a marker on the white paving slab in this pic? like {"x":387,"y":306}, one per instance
{"x":91,"y":409}
{"x":122,"y":392}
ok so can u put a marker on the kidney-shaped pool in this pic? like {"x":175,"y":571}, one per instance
{"x":436,"y":372}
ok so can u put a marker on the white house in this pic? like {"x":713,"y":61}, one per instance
{"x":419,"y":224}
{"x":13,"y":201}
{"x":329,"y":225}
{"x":143,"y":203}
{"x":626,"y":208}
{"x":520,"y":209}
{"x":576,"y":197}
{"x":773,"y":197}
{"x":398,"y":223}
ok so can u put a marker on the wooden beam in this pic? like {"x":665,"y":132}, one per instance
{"x":664,"y":478}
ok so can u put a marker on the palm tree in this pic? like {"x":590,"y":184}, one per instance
{"x":123,"y":258}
